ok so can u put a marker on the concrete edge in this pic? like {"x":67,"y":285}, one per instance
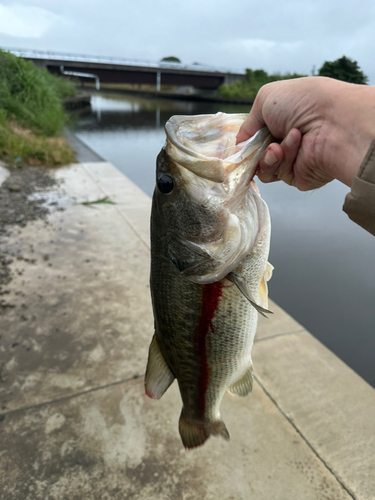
{"x":83,"y":152}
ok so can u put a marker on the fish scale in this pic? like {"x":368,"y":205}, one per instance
{"x":207,"y":286}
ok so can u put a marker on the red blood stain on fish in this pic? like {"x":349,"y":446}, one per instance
{"x":148,"y":393}
{"x":211,"y":295}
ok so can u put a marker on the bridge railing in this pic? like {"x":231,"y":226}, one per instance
{"x":57,"y":56}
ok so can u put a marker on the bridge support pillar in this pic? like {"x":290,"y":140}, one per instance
{"x":158,"y":81}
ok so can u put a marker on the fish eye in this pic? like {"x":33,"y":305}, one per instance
{"x":165,"y":184}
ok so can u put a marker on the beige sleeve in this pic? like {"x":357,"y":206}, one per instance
{"x":360,"y":202}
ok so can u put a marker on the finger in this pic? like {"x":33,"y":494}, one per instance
{"x":278,"y":161}
{"x":290,"y":146}
{"x":254,"y":121}
{"x":270,"y":163}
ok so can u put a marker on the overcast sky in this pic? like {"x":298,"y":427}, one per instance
{"x":276,"y":35}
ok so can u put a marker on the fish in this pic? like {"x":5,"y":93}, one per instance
{"x":210,"y":239}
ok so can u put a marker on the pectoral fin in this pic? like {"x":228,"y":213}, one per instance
{"x":158,"y":375}
{"x":244,"y":385}
{"x":243,"y":288}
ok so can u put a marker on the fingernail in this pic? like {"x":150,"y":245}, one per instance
{"x":239,"y":138}
{"x":270,"y":158}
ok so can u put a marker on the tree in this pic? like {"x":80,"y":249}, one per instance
{"x":172,"y":59}
{"x":344,"y":69}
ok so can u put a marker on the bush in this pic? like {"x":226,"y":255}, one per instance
{"x":255,"y":79}
{"x":31,"y":96}
{"x":172,"y":59}
{"x":31,"y":113}
{"x":18,"y":144}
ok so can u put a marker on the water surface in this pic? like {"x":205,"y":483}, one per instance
{"x":324,"y":263}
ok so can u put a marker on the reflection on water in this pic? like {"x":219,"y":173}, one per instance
{"x":324,"y":264}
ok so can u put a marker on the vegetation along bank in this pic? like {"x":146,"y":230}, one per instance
{"x":344,"y":69}
{"x":32,"y":116}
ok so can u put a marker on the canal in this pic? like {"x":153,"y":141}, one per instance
{"x":324,"y":263}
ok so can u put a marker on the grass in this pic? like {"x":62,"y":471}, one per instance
{"x":20,"y":145}
{"x":31,"y":113}
{"x":255,"y":79}
{"x":105,"y":199}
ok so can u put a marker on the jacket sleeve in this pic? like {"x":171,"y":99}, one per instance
{"x":360,"y":202}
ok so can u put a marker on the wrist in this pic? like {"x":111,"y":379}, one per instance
{"x":350,"y":124}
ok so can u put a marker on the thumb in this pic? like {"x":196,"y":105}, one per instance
{"x":253,"y":122}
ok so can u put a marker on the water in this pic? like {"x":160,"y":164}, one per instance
{"x":324,"y":263}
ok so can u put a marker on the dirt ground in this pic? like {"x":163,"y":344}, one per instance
{"x":23,"y":198}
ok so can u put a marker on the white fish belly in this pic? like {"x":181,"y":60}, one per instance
{"x":229,"y":343}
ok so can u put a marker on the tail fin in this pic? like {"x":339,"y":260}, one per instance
{"x":194,"y":432}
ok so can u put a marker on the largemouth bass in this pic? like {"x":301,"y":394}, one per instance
{"x":210,"y":236}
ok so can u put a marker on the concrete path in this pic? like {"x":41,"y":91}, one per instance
{"x":4,"y":174}
{"x":75,"y":423}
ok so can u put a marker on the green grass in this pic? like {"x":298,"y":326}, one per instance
{"x":255,"y":79}
{"x":20,"y":145}
{"x":99,"y":201}
{"x":31,"y":113}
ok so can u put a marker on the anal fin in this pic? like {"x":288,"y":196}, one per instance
{"x":158,"y":375}
{"x":244,"y":385}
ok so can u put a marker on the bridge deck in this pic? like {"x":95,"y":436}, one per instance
{"x":121,"y":70}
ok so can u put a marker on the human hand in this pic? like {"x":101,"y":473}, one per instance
{"x":324,"y":127}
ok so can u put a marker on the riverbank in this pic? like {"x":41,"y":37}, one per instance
{"x":74,"y":418}
{"x":31,"y":114}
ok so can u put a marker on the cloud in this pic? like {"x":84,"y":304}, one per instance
{"x":25,"y":21}
{"x":265,"y":45}
{"x":288,"y":36}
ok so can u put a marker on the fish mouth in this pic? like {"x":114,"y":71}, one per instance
{"x":213,"y":170}
{"x":206,"y":145}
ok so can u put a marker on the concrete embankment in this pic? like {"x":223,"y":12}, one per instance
{"x":75,"y":422}
{"x":77,"y":102}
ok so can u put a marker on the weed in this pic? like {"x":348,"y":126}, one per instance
{"x":20,"y":145}
{"x":105,"y":199}
{"x":31,"y":113}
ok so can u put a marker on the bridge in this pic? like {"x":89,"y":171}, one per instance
{"x":120,"y":70}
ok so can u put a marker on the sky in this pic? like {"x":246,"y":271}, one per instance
{"x":274,"y":35}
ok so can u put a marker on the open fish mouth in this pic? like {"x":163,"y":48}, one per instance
{"x":206,"y":145}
